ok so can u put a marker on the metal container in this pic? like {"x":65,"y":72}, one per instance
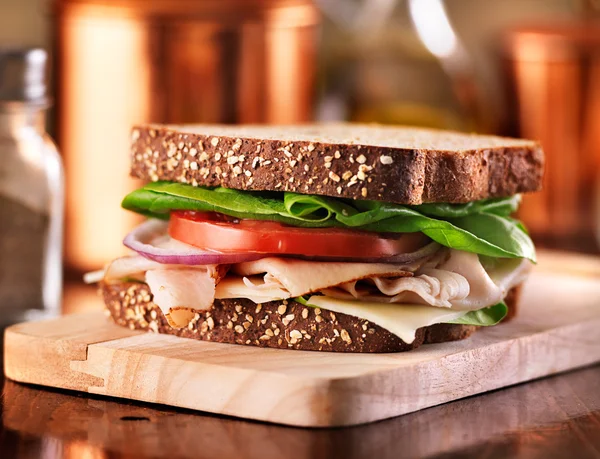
{"x":555,"y":72}
{"x":31,"y":192}
{"x":178,"y":61}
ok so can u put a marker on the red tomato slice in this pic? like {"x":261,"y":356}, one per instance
{"x":213,"y":231}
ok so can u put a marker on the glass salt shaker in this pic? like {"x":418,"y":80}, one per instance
{"x":31,"y":192}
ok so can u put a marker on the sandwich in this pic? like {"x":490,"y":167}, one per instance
{"x":323,"y":237}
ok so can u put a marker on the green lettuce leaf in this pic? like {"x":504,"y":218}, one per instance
{"x":157,"y":199}
{"x":498,"y":206}
{"x":483,"y":317}
{"x":302,"y":300}
{"x":481,"y":227}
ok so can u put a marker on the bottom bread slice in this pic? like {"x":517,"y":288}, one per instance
{"x":282,"y":324}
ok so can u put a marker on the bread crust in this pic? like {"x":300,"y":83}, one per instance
{"x":276,"y":324}
{"x":401,"y":175}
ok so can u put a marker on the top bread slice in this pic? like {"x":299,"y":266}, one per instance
{"x":403,"y":165}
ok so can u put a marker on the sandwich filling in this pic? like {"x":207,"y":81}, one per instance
{"x":400,"y":267}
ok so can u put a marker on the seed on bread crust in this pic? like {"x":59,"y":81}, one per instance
{"x":314,"y":329}
{"x":455,"y":173}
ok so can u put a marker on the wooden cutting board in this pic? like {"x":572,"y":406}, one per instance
{"x":558,"y":330}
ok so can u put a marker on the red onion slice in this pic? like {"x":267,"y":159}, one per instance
{"x":151,"y":240}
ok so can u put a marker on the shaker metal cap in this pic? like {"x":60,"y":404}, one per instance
{"x":23,"y":74}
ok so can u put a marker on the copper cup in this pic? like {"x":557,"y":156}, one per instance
{"x":555,"y":71}
{"x":122,"y":62}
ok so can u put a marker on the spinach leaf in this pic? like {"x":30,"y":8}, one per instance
{"x":303,"y":301}
{"x":482,"y":227}
{"x":483,"y":317}
{"x":159,"y":198}
{"x":498,"y":206}
{"x":507,"y":233}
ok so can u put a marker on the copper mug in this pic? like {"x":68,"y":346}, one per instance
{"x":122,"y":62}
{"x":555,"y":70}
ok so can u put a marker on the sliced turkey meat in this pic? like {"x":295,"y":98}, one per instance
{"x":450,"y":279}
{"x":460,"y":282}
{"x":435,"y":287}
{"x":270,"y":279}
{"x":178,"y":290}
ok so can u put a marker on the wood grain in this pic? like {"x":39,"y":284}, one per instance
{"x":557,"y":331}
{"x":556,"y":417}
{"x":43,"y":353}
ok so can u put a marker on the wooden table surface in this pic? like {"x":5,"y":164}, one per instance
{"x":556,"y":417}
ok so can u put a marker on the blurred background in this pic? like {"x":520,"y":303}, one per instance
{"x":527,"y":68}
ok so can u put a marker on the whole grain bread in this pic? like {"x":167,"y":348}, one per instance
{"x":276,"y":324}
{"x":395,"y":164}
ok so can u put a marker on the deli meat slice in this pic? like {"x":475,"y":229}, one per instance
{"x":461,"y":282}
{"x":299,"y":277}
{"x":434,"y":287}
{"x":451,"y":279}
{"x":178,"y":290}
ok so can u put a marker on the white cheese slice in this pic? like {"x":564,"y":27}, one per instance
{"x":400,"y":320}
